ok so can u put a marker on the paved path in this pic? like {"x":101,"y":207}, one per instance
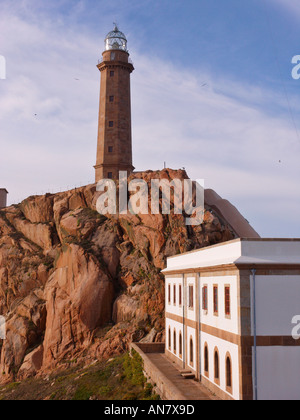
{"x":190,"y":388}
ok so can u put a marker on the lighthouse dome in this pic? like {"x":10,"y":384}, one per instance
{"x":116,"y":40}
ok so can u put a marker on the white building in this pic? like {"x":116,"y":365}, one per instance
{"x":230,"y":310}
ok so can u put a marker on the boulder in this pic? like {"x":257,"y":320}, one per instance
{"x":124,"y":309}
{"x":79,"y":299}
{"x":32,"y":364}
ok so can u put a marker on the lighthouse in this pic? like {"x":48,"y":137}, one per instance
{"x":114,"y":148}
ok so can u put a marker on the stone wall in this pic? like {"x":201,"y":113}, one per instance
{"x":162,"y":385}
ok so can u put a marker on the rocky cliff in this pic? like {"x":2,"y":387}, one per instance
{"x":78,"y":285}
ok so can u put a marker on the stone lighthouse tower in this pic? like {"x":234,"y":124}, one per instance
{"x":114,"y":150}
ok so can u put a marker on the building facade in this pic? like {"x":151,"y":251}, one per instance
{"x":114,"y":149}
{"x":229,"y":317}
{"x":3,"y":198}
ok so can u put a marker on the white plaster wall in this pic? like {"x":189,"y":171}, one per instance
{"x":170,"y":307}
{"x":278,"y":373}
{"x":277,"y":302}
{"x":223,"y":347}
{"x":208,"y":256}
{"x":228,"y":324}
{"x":276,"y":251}
{"x":190,"y":313}
{"x":179,"y":328}
{"x":259,"y":251}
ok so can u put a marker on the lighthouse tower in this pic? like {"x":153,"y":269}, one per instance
{"x":114,"y":150}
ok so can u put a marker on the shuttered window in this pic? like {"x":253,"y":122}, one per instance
{"x":227,"y":301}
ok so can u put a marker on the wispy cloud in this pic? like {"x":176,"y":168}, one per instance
{"x":291,"y":6}
{"x":239,"y":149}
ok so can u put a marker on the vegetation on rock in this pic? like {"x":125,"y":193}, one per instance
{"x":120,"y":378}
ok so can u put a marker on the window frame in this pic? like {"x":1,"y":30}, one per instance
{"x":206,"y":360}
{"x":205,"y":298}
{"x":216,"y":300}
{"x":180,"y":344}
{"x":174,"y":294}
{"x":227,"y":301}
{"x":180,"y":295}
{"x":228,"y":375}
{"x":191,"y":296}
{"x":216,"y":366}
{"x":191,"y":352}
{"x":174,"y":341}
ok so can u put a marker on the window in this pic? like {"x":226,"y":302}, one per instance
{"x":169,"y":338}
{"x":228,"y":374}
{"x":216,"y":303}
{"x":180,"y":344}
{"x":174,"y":294}
{"x":204,"y":298}
{"x":111,"y":99}
{"x":112,"y":73}
{"x":217,"y":372}
{"x":109,"y":175}
{"x":191,"y":352}
{"x":110,"y":149}
{"x":169,"y":293}
{"x":111,"y":124}
{"x":206,"y":361}
{"x":227,"y":300}
{"x":174,"y":341}
{"x":191,"y":297}
{"x":180,"y":295}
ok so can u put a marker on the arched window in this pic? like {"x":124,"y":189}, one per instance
{"x":206,"y":360}
{"x":174,"y":341}
{"x":169,"y":338}
{"x":180,"y":344}
{"x":217,"y":368}
{"x":228,"y":373}
{"x":191,"y":352}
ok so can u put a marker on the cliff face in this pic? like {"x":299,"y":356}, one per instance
{"x":78,"y":285}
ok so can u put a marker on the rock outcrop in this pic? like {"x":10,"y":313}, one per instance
{"x":78,"y":285}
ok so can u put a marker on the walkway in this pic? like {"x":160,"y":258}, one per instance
{"x":188,"y":388}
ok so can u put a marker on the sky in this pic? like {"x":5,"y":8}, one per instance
{"x":212,"y":92}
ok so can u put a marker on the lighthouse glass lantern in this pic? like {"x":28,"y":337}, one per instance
{"x":116,"y":40}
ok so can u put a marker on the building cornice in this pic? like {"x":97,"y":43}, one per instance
{"x":115,"y":64}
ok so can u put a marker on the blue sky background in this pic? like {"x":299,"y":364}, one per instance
{"x":212,"y":92}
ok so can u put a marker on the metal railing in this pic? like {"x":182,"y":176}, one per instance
{"x":101,"y":61}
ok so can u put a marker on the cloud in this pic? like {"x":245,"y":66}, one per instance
{"x":238,"y":137}
{"x":244,"y":152}
{"x":291,"y":6}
